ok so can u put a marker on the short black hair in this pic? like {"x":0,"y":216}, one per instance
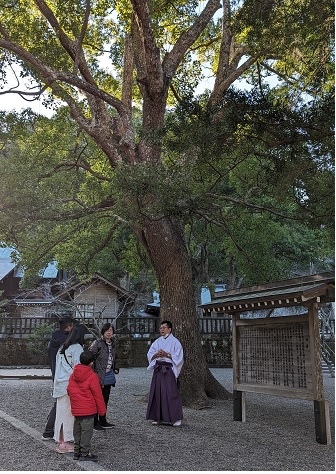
{"x":86,"y":357}
{"x":169,"y":324}
{"x":64,"y":322}
{"x":106,"y":327}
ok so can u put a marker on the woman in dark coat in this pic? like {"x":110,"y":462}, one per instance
{"x":106,"y":366}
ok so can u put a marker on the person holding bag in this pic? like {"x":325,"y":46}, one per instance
{"x":106,"y":366}
{"x":67,"y":358}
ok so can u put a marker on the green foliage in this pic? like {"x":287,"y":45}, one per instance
{"x":232,"y":183}
{"x":67,"y":178}
{"x":252,"y":201}
{"x":249,"y":176}
{"x":37,"y":341}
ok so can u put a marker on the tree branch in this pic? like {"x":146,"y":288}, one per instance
{"x":249,"y":205}
{"x":223,"y":82}
{"x":51,"y":75}
{"x":79,"y":41}
{"x":74,"y":164}
{"x":239,"y":247}
{"x":126,"y":89}
{"x":73,"y":48}
{"x":173,"y":59}
{"x":150,"y":51}
{"x":277,"y":73}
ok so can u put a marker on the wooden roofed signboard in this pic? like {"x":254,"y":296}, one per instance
{"x":293,"y":292}
{"x":279,"y":356}
{"x":274,"y":356}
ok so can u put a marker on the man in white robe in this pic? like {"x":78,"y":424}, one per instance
{"x":165,"y":357}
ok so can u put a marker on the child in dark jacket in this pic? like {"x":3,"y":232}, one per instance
{"x":86,"y":400}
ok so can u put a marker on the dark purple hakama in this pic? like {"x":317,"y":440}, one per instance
{"x":164,"y":400}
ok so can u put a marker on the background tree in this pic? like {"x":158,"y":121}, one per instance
{"x":132,"y":178}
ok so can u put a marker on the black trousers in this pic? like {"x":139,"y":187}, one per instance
{"x":106,"y":390}
{"x":49,"y":427}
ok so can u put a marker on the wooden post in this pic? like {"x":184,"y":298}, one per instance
{"x":322,"y":422}
{"x":321,"y":406}
{"x":315,"y":344}
{"x":235,"y":358}
{"x":239,"y":412}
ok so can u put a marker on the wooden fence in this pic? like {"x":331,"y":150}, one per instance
{"x":142,"y":328}
{"x":22,"y":327}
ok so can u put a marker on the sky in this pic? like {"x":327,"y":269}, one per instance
{"x":14,"y":103}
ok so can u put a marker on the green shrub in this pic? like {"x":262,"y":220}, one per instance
{"x":37,"y":342}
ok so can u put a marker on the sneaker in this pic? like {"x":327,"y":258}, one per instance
{"x":177,"y":423}
{"x":76,"y":456}
{"x":156,"y":422}
{"x":98,"y":428}
{"x":107,"y":425}
{"x":89,"y":457}
{"x":67,"y":447}
{"x":48,"y":437}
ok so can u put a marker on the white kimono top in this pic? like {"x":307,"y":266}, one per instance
{"x":63,"y":369}
{"x":169,"y":344}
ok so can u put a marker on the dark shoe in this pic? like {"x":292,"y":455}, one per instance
{"x":76,"y":456}
{"x":98,"y":428}
{"x":47,"y":437}
{"x":89,"y":457}
{"x":107,"y":425}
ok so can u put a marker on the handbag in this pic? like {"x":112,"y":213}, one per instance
{"x":109,"y":378}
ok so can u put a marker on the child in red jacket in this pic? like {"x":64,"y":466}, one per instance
{"x":86,"y":400}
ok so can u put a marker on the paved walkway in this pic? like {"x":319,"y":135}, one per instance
{"x":278,"y":435}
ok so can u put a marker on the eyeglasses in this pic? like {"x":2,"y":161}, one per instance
{"x":164,"y":327}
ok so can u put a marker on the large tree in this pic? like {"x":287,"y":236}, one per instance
{"x":158,"y":52}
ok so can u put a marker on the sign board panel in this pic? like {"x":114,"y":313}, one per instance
{"x":274,"y":356}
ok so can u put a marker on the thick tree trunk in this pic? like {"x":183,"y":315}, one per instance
{"x":164,"y":242}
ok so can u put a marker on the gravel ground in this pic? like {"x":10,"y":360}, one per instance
{"x":279,"y":433}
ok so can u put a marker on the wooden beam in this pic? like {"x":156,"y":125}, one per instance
{"x":315,"y":344}
{"x":235,"y":357}
{"x":322,"y":422}
{"x":272,"y":321}
{"x":239,"y":410}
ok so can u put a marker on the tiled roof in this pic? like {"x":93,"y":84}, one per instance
{"x":97,"y":276}
{"x":7,"y":265}
{"x":278,"y":294}
{"x":6,"y":262}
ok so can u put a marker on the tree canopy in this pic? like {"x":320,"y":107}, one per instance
{"x":136,"y":147}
